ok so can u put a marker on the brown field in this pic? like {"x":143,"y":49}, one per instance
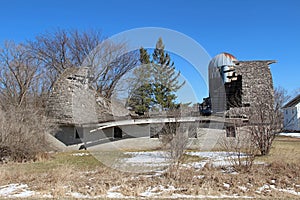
{"x":64,"y":173}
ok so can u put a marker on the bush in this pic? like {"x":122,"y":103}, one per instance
{"x":174,"y":140}
{"x":22,"y":134}
{"x":241,"y":149}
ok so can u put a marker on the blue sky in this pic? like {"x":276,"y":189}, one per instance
{"x":249,"y":29}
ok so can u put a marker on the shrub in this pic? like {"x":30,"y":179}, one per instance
{"x":22,"y":134}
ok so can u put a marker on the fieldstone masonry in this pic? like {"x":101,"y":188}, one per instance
{"x":74,"y":101}
{"x":256,"y":85}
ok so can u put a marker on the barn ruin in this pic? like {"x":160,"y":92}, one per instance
{"x":236,"y":88}
{"x":235,"y":85}
{"x":73,"y":102}
{"x":76,"y":107}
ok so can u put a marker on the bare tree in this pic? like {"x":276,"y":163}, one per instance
{"x":19,"y":72}
{"x":62,"y":49}
{"x":280,"y":98}
{"x":52,"y":50}
{"x":23,"y":123}
{"x":265,"y":124}
{"x":295,"y":92}
{"x":265,"y":117}
{"x":84,"y":46}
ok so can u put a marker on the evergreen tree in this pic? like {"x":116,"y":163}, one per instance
{"x":165,"y":77}
{"x":144,"y":56}
{"x":156,"y":82}
{"x":141,"y":98}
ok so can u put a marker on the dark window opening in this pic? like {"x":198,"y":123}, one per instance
{"x":234,"y":93}
{"x":205,"y":107}
{"x":71,"y":78}
{"x":118,"y":132}
{"x":230,"y":131}
{"x":246,"y":105}
{"x":77,"y":136}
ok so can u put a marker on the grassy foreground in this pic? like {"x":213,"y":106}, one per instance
{"x":64,"y":173}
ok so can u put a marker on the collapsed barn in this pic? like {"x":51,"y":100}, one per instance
{"x":74,"y":102}
{"x":236,"y":85}
{"x":235,"y":88}
{"x":238,"y":88}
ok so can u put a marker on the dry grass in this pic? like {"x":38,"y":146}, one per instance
{"x":64,"y":173}
{"x":285,"y":149}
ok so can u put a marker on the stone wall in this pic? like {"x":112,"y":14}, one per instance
{"x":256,"y":87}
{"x":74,"y":101}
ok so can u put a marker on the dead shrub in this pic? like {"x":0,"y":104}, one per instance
{"x":22,"y":134}
{"x":241,"y":149}
{"x":174,"y":139}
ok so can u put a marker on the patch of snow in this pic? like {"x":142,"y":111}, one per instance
{"x":259,"y":163}
{"x":160,"y":159}
{"x":243,"y":188}
{"x":151,"y":158}
{"x":215,"y":155}
{"x":185,"y":196}
{"x":199,"y":177}
{"x":296,"y":135}
{"x":226,"y":185}
{"x":24,"y":194}
{"x":273,"y":181}
{"x":16,"y":190}
{"x":267,"y":188}
{"x":196,"y":165}
{"x":90,"y":172}
{"x":112,"y":193}
{"x":158,"y":190}
{"x":150,"y":192}
{"x":272,"y":187}
{"x":78,"y":195}
{"x":81,"y":154}
{"x":217,"y":159}
{"x":289,"y":190}
{"x":47,"y":196}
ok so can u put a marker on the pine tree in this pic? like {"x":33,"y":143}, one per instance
{"x":156,"y":82}
{"x":165,"y":77}
{"x":141,"y":98}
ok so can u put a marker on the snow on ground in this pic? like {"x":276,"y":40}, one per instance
{"x":15,"y":191}
{"x":160,"y":158}
{"x":167,"y":191}
{"x":214,"y":158}
{"x":269,"y":188}
{"x":113,"y":193}
{"x":81,"y":154}
{"x":175,"y":196}
{"x":296,"y":135}
{"x":151,"y":158}
{"x":157,"y":191}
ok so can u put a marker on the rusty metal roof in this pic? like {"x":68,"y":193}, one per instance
{"x":222,"y":59}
